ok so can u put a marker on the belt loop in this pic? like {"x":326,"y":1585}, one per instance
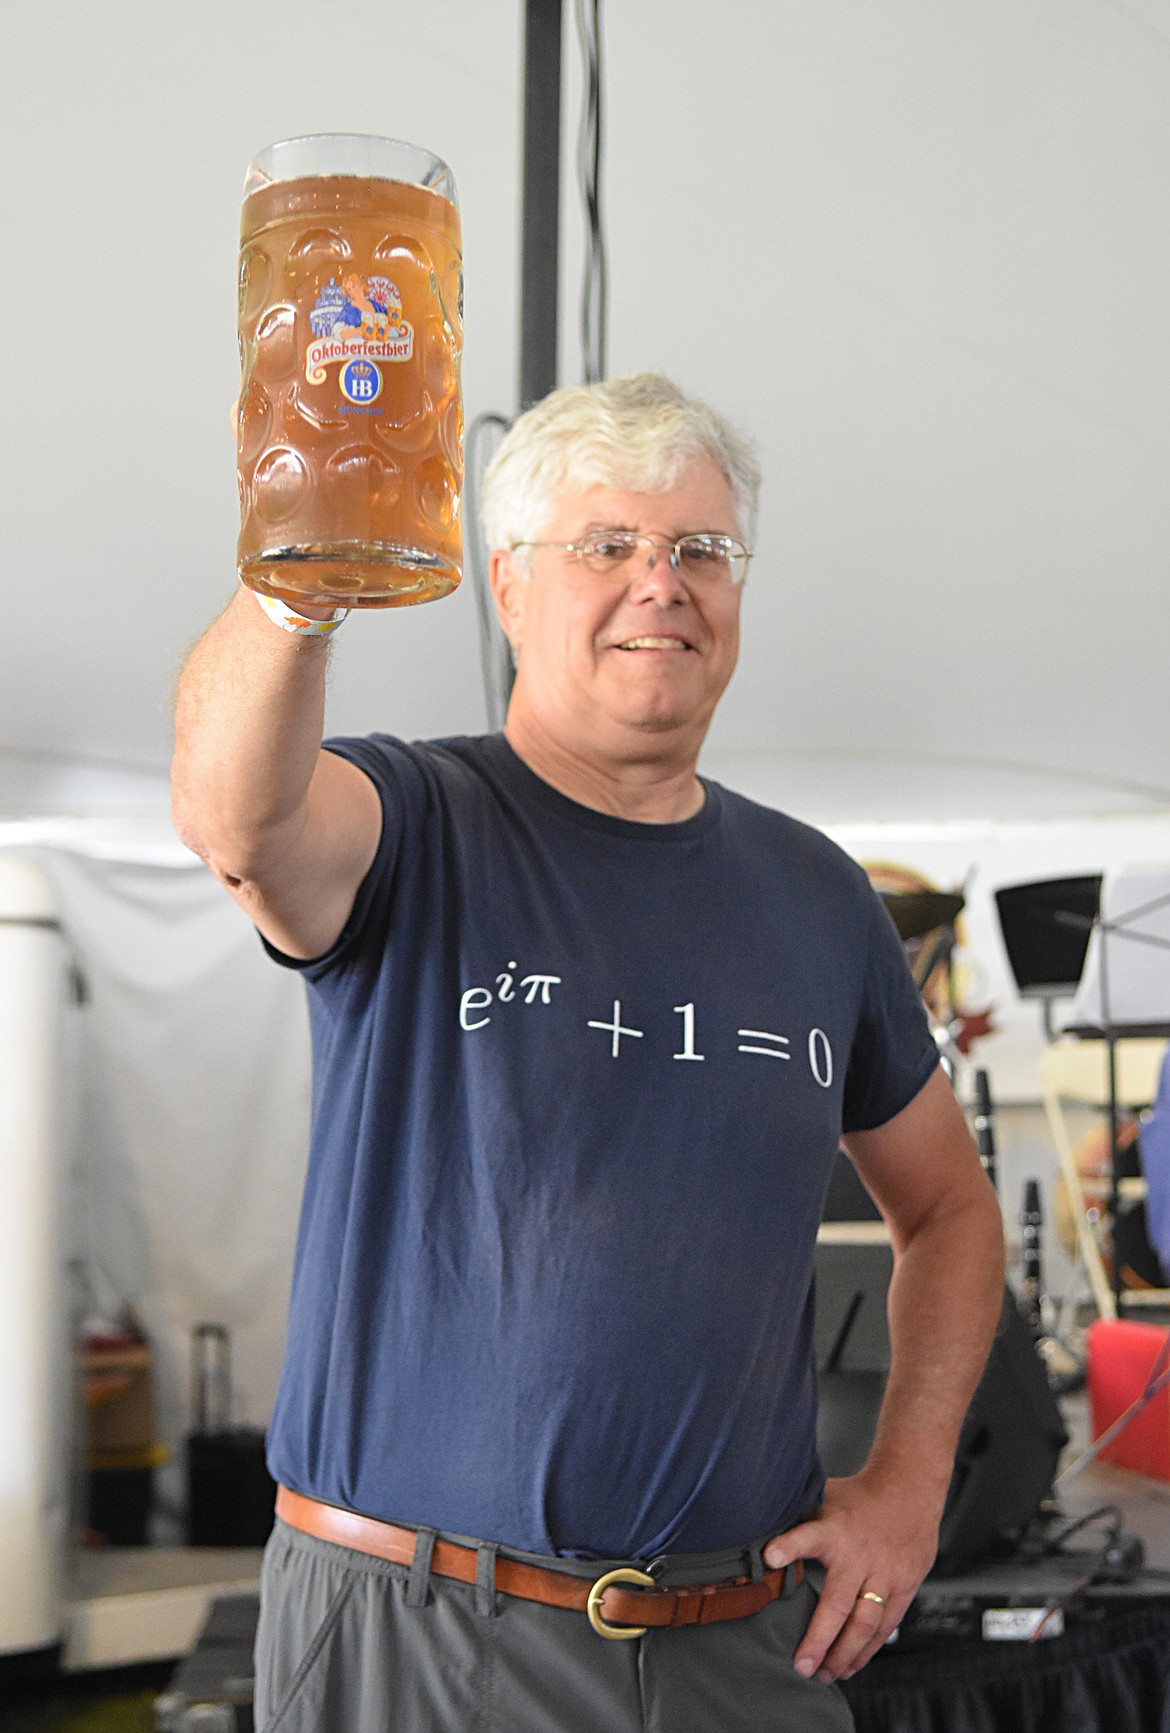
{"x":756,"y":1562}
{"x":485,"y":1578}
{"x":420,"y":1568}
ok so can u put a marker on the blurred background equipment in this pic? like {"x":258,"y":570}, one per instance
{"x":927,"y":920}
{"x":123,"y":1447}
{"x":1128,"y":1374}
{"x":1117,"y":1079}
{"x":231,"y":1496}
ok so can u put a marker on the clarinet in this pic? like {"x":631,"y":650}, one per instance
{"x":984,"y":1124}
{"x":1031,"y":1282}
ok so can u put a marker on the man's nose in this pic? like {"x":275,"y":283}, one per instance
{"x":659,"y":574}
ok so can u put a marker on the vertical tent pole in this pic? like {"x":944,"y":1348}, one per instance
{"x":541,"y":200}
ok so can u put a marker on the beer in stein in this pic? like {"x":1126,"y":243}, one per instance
{"x":350,"y":426}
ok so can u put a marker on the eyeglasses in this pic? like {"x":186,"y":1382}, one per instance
{"x":706,"y":559}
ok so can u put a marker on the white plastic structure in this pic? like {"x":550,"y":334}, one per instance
{"x":35,"y":1424}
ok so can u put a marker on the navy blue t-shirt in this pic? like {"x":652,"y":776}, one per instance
{"x":578,"y":1084}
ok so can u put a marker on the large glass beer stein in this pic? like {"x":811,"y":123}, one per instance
{"x":350,"y":430}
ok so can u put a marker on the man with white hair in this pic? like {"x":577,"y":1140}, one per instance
{"x":588,"y":1030}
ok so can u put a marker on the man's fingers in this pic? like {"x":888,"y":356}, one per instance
{"x":864,"y":1656}
{"x":834,"y":1608}
{"x":862,"y":1635}
{"x":837,"y":1599}
{"x":842,"y":1636}
{"x":873,"y":1564}
{"x":799,"y":1542}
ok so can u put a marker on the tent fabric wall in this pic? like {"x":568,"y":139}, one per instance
{"x":189,"y":1107}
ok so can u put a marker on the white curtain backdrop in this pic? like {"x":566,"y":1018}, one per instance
{"x":188,"y":1096}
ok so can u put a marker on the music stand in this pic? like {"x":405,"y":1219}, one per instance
{"x":1047,"y":954}
{"x":1125,"y":985}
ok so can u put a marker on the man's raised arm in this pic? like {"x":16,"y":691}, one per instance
{"x":290,"y":830}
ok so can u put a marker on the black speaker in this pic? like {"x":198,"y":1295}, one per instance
{"x":1009,"y":1446}
{"x":1008,"y":1449}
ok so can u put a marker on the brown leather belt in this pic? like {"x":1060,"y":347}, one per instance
{"x":613,"y":1609}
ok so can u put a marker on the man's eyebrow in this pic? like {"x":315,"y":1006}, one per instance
{"x":629,"y":530}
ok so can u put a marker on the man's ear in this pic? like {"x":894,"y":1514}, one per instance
{"x":509,"y":585}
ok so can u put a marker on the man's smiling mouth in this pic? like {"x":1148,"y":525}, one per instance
{"x":653,"y":643}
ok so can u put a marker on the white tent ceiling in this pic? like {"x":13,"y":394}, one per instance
{"x":921,"y":250}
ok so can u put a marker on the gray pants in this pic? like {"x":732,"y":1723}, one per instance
{"x":349,"y":1644}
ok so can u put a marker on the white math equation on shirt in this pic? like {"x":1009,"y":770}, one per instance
{"x":478,"y":1006}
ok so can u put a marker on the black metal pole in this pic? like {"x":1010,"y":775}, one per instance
{"x":1114,"y":1148}
{"x":541,"y":200}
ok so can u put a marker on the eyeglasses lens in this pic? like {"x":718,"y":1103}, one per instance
{"x":713,"y":559}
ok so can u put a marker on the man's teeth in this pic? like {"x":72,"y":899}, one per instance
{"x":653,"y":644}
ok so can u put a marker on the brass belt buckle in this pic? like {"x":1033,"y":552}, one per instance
{"x":593,"y":1604}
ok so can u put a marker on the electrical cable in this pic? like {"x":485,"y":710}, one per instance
{"x":1060,"y":1606}
{"x":595,"y":289}
{"x":1116,"y":1525}
{"x":1119,"y":1559}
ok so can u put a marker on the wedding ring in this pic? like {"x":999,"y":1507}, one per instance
{"x":872,"y":1595}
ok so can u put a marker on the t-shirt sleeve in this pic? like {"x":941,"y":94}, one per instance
{"x":893,"y":1053}
{"x":395,"y":773}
